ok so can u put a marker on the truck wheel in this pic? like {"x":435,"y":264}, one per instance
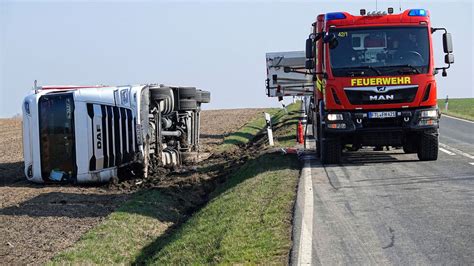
{"x":187,"y":93}
{"x":187,"y":104}
{"x":318,"y":138}
{"x":160,"y":93}
{"x":205,"y":97}
{"x":409,"y":147}
{"x":428,"y":150}
{"x":331,"y":151}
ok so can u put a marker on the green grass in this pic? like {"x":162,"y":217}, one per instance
{"x":285,"y":126}
{"x":285,"y":122}
{"x":462,"y":107}
{"x":120,"y":238}
{"x":248,"y":221}
{"x":247,"y":132}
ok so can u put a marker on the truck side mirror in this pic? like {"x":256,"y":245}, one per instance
{"x":449,"y":59}
{"x":331,"y":39}
{"x":447,"y":43}
{"x":309,"y":64}
{"x":309,"y":48}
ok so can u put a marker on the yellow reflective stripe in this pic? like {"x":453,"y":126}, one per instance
{"x":319,"y":85}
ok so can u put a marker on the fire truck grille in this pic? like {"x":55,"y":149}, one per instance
{"x":381,"y":95}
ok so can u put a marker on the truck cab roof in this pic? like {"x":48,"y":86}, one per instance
{"x":409,"y":16}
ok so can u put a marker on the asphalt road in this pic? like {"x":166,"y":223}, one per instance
{"x":390,"y":208}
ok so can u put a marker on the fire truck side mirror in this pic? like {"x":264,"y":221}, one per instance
{"x":447,"y":43}
{"x":309,"y":48}
{"x":449,"y":59}
{"x":309,"y":64}
{"x":331,"y":39}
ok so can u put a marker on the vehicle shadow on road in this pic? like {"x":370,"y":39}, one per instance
{"x":373,"y":157}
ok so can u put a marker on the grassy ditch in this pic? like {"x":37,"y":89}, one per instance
{"x":461,"y":107}
{"x":284,"y":128}
{"x":119,"y":239}
{"x":285,"y":125}
{"x":247,"y":221}
{"x":234,"y":209}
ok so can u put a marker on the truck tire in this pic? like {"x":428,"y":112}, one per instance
{"x":160,"y":93}
{"x":331,"y":151}
{"x":428,"y":149}
{"x":205,"y":97}
{"x":409,"y":148}
{"x":187,"y":104}
{"x":318,"y":137}
{"x":187,"y":93}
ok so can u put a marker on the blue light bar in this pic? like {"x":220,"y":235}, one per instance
{"x":417,"y":13}
{"x":335,"y":15}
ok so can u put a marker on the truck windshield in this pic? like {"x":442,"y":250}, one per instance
{"x":380,"y":51}
{"x":57,"y":143}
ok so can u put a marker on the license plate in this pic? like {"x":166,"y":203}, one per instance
{"x":382,"y":114}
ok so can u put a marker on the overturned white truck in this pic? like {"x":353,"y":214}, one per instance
{"x":84,"y":134}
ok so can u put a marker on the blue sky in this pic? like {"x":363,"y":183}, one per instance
{"x":215,"y":45}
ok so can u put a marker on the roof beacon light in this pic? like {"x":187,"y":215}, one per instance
{"x":335,"y":15}
{"x":417,"y":13}
{"x":390,"y":10}
{"x":362,"y":12}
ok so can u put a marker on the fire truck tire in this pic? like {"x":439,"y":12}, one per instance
{"x":187,"y":93}
{"x":410,"y":147}
{"x":428,"y":149}
{"x":318,"y":138}
{"x":331,"y":151}
{"x":187,"y":104}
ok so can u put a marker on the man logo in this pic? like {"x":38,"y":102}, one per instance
{"x":381,"y":97}
{"x":381,"y":89}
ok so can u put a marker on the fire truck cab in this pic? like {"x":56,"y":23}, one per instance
{"x":374,"y":82}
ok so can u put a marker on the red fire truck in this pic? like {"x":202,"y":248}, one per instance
{"x":374,"y":82}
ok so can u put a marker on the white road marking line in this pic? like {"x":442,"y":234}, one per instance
{"x":460,"y":119}
{"x":457,"y":151}
{"x":471,"y":163}
{"x":306,"y":237}
{"x":446,"y":151}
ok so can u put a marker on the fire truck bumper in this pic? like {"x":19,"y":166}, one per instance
{"x":381,"y":127}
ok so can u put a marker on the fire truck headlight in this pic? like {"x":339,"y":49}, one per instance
{"x":429,"y":113}
{"x":335,"y":117}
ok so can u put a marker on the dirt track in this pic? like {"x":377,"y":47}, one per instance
{"x":38,"y":221}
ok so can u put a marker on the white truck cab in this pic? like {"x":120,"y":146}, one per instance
{"x":84,"y":134}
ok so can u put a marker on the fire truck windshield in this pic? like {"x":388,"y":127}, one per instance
{"x":380,"y":51}
{"x":57,"y":142}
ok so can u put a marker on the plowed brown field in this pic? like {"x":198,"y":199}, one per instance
{"x":37,"y":221}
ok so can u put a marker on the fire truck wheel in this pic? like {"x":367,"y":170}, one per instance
{"x":331,"y":151}
{"x":187,"y":93}
{"x":318,"y":138}
{"x":409,"y":147}
{"x":187,"y":105}
{"x":428,"y":150}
